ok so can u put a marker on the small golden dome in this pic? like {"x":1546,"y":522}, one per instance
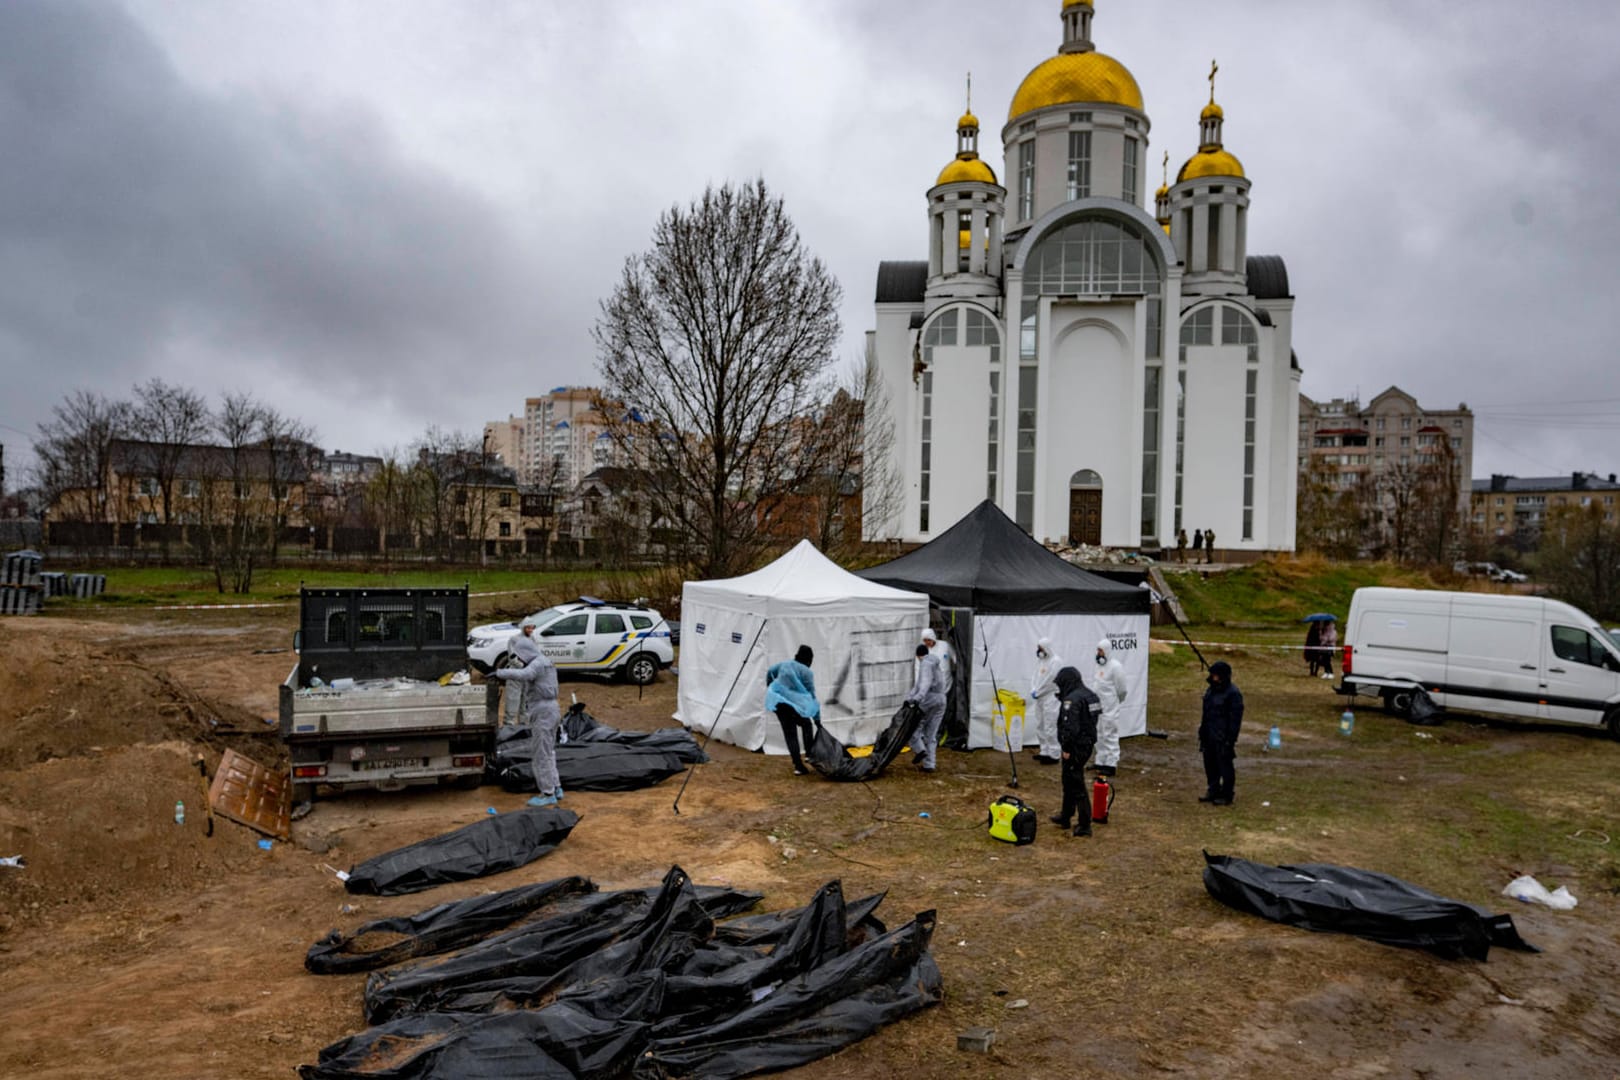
{"x":1211,"y":111}
{"x":1210,"y":163}
{"x":964,"y":170}
{"x":1163,"y":192}
{"x":1074,"y":78}
{"x":968,"y":120}
{"x":1067,"y":4}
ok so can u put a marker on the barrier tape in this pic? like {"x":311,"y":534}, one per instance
{"x":290,"y":603}
{"x":1239,"y":644}
{"x":216,"y":607}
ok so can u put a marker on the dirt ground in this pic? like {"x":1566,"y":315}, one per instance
{"x":132,"y":946}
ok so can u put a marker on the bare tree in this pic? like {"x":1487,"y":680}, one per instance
{"x":73,"y":454}
{"x":239,"y":514}
{"x":170,"y":419}
{"x":1401,"y":490}
{"x":442,"y":458}
{"x":288,"y":454}
{"x":1579,"y":558}
{"x":1439,"y":517}
{"x":882,"y":495}
{"x":709,"y":351}
{"x":391,"y":498}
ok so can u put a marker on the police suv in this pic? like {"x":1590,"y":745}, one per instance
{"x":586,"y":636}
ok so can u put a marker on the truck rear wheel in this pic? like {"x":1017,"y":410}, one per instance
{"x":1612,"y":722}
{"x":641,"y":670}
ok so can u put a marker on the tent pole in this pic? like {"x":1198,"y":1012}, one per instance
{"x":676,"y":806}
{"x":996,"y":703}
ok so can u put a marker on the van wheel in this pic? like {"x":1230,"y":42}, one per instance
{"x":641,"y":670}
{"x":1612,"y":722}
{"x":1398,"y":702}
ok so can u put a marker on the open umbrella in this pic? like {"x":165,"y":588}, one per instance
{"x":1320,"y":616}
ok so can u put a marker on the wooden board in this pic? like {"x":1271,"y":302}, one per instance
{"x":247,"y":792}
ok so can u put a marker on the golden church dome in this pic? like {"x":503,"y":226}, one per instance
{"x":1067,"y":4}
{"x":1074,"y":78}
{"x":1211,"y":111}
{"x":1215,"y":162}
{"x":968,"y":120}
{"x":965,"y":170}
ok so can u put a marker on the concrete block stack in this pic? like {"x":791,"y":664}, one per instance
{"x":21,"y":591}
{"x":87,"y":585}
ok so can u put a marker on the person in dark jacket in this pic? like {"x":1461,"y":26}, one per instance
{"x":1078,"y":709}
{"x":790,"y":693}
{"x":1218,"y":733}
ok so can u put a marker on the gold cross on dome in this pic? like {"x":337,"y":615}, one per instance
{"x":1213,"y":68}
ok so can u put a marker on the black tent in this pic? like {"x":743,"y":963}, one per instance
{"x":988,"y":563}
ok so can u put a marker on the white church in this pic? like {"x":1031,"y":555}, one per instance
{"x":1105,"y":375}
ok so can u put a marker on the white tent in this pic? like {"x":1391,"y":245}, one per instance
{"x":864,"y":636}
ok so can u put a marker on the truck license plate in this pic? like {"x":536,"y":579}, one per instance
{"x":391,"y":763}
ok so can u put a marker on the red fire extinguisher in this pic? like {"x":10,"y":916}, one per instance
{"x":1102,"y":799}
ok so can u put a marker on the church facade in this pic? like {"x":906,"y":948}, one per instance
{"x":1103,"y":374}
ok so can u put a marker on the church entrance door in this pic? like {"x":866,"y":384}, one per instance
{"x":1085,"y":508}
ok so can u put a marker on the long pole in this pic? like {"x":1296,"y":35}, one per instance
{"x":1005,"y":720}
{"x":1171,"y":609}
{"x":676,"y":806}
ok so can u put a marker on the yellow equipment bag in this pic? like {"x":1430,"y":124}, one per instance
{"x":1012,"y":820}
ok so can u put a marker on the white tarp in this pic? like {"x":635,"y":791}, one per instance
{"x":1010,"y":640}
{"x":864,"y":636}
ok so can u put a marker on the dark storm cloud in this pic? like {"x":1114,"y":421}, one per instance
{"x":249,"y":241}
{"x":335,"y":207}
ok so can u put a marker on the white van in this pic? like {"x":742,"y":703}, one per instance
{"x":1508,"y":655}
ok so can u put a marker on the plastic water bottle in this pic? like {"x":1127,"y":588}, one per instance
{"x":1347,"y":722}
{"x":1274,"y":739}
{"x":179,"y":813}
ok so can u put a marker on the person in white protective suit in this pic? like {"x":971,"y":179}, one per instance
{"x":1110,"y":687}
{"x":1043,"y":694}
{"x":940,"y":649}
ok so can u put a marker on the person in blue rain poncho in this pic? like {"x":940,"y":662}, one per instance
{"x":790,"y":693}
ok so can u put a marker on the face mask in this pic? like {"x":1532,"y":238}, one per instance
{"x":1040,"y":654}
{"x":1101,"y":659}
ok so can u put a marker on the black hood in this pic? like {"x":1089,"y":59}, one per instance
{"x":1220,"y":673}
{"x":1068,"y":679}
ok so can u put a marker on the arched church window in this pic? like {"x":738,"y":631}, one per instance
{"x":1237,"y":327}
{"x":941,"y":330}
{"x":982,"y":331}
{"x":1093,"y":255}
{"x":1085,"y":478}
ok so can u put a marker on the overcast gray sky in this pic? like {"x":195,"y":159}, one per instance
{"x":386,"y":214}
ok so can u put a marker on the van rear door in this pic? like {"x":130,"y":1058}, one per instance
{"x":1581,"y":674}
{"x":1495,"y":663}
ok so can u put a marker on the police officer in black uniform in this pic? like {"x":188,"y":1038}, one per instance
{"x":1218,"y":733}
{"x":1078,"y":710}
